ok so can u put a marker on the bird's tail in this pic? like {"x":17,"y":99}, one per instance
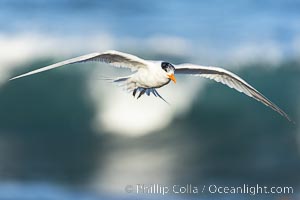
{"x":147,"y":91}
{"x":131,"y":87}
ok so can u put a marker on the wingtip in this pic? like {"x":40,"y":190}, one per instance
{"x":12,"y":79}
{"x":289,"y":119}
{"x":292,"y":121}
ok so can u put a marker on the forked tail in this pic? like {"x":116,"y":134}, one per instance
{"x":147,"y":91}
{"x":131,"y":87}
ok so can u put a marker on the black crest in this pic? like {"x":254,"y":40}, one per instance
{"x":167,"y":66}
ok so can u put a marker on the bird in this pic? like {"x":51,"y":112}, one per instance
{"x":149,"y":75}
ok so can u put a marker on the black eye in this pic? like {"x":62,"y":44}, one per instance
{"x":167,"y":66}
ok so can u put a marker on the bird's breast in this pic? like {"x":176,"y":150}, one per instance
{"x":150,"y":79}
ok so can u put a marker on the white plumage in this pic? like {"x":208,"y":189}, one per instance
{"x":150,"y":75}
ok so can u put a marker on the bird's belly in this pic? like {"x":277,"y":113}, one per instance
{"x":148,"y":81}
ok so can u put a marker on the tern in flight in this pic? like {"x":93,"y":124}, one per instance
{"x":150,"y":75}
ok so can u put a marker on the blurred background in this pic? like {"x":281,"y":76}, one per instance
{"x":66,"y":134}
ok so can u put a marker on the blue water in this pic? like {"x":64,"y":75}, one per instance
{"x":42,"y":145}
{"x":214,"y":22}
{"x":40,"y":190}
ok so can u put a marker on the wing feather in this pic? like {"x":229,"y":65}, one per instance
{"x":228,"y":78}
{"x":114,"y":58}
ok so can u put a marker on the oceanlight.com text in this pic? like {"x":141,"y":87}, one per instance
{"x":160,"y":189}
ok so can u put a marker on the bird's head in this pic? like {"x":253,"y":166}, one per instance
{"x":169,"y":70}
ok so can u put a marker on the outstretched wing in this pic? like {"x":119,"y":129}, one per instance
{"x":229,"y":79}
{"x":115,"y":58}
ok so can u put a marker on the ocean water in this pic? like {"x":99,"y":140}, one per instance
{"x":216,"y":26}
{"x":58,"y":137}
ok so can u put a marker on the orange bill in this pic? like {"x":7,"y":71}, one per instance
{"x":172,"y":77}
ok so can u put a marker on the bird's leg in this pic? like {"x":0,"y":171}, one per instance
{"x":141,"y":93}
{"x":134,"y":92}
